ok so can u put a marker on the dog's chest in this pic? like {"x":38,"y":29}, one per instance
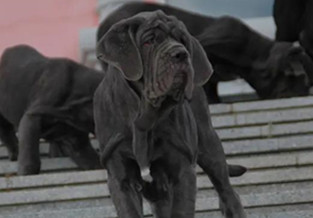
{"x":176,"y":131}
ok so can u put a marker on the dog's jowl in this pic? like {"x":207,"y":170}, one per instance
{"x":144,"y":115}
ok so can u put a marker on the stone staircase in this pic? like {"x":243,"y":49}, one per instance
{"x":273,"y":138}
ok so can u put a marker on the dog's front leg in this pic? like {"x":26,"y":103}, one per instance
{"x":29,"y":134}
{"x":211,"y":158}
{"x":125,"y":187}
{"x":8,"y":137}
{"x":185,"y":194}
{"x":163,"y":208}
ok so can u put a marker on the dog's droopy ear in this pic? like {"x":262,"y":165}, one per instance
{"x":201,"y":64}
{"x":202,"y":67}
{"x":118,"y":47}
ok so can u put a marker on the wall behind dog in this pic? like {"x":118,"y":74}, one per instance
{"x":51,"y":26}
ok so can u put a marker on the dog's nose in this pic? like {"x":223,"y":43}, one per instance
{"x":179,"y":55}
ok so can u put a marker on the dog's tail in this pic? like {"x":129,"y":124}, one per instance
{"x":236,"y":170}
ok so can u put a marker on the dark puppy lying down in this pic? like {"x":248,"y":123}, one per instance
{"x":152,"y":119}
{"x":273,"y":69}
{"x":48,"y":98}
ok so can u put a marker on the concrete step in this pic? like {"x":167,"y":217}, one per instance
{"x":87,"y":203}
{"x":72,"y":187}
{"x":269,"y":149}
{"x":262,"y":117}
{"x":98,"y":212}
{"x":44,"y":149}
{"x":268,"y":145}
{"x":256,"y":113}
{"x":10,"y":183}
{"x":272,"y":138}
{"x":262,"y":105}
{"x":278,"y":152}
{"x":252,"y":161}
{"x":268,"y":165}
{"x":47,"y":165}
{"x":87,"y":189}
{"x":204,"y":206}
{"x":266,"y":130}
{"x":241,"y":140}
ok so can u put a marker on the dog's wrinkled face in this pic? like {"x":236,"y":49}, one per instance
{"x":289,"y":72}
{"x":157,"y":55}
{"x":168,"y":70}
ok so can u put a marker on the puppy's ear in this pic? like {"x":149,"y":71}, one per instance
{"x":118,"y":47}
{"x":201,"y":64}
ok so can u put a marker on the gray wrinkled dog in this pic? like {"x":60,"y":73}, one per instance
{"x":146,"y":110}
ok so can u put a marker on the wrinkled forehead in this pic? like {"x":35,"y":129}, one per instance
{"x":159,"y":22}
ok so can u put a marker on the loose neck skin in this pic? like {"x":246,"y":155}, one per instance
{"x":143,"y":124}
{"x":134,"y":110}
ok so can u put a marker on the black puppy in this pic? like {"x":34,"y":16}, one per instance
{"x":273,"y":69}
{"x":294,"y":22}
{"x":48,"y":98}
{"x":152,"y":118}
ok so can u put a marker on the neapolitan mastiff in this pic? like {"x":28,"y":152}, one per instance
{"x":48,"y":98}
{"x":273,"y":69}
{"x":294,"y":22}
{"x":152,"y":118}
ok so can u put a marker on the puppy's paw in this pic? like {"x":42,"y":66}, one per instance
{"x":28,"y":169}
{"x":158,"y":189}
{"x":12,"y":156}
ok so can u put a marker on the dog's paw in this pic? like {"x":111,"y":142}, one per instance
{"x":28,"y":169}
{"x":233,"y":209}
{"x":158,"y":189}
{"x":12,"y":156}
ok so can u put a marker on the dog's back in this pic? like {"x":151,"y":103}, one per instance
{"x":20,"y":68}
{"x":26,"y":76}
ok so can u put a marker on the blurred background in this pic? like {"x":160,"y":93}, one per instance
{"x":54,"y":27}
{"x":51,"y":26}
{"x":60,"y":28}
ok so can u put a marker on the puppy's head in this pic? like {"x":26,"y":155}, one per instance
{"x":155,"y":52}
{"x":288,"y":72}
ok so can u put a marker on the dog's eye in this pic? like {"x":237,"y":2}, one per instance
{"x":149,"y":40}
